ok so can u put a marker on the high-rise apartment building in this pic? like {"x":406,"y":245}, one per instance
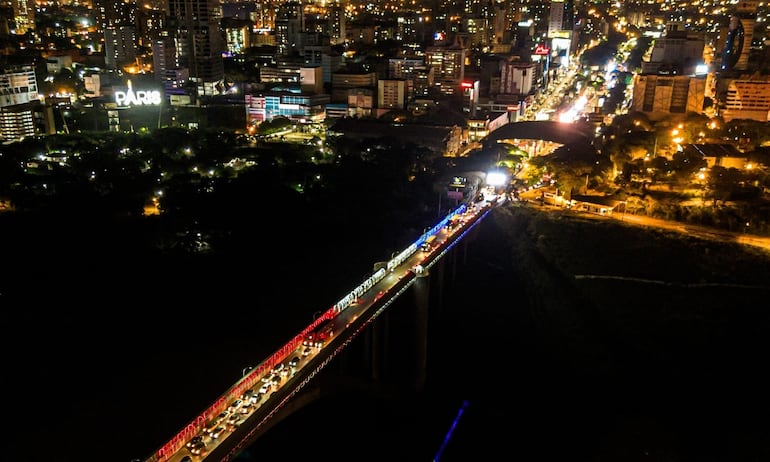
{"x":391,"y":94}
{"x":116,"y":20}
{"x":337,"y":26}
{"x":112,"y":13}
{"x":501,"y":27}
{"x":560,"y":18}
{"x":166,"y":67}
{"x":119,"y":46}
{"x":24,"y":15}
{"x":747,"y":97}
{"x":199,"y":42}
{"x":151,"y":23}
{"x":289,"y":25}
{"x":735,"y":56}
{"x":448,"y":64}
{"x":18,"y":92}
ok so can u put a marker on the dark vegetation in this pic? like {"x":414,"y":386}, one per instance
{"x":661,"y":361}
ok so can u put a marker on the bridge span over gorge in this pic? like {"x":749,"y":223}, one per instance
{"x":269,"y":391}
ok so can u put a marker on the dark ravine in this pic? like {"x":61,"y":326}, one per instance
{"x":563,"y":368}
{"x":574,"y":369}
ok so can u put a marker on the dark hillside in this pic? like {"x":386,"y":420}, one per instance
{"x":663,"y":362}
{"x":618,"y":342}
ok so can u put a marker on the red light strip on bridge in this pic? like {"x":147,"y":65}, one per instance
{"x":194,"y":427}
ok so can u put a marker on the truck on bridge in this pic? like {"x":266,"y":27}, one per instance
{"x":318,"y":336}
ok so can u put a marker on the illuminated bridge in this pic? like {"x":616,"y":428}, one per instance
{"x":272,"y":389}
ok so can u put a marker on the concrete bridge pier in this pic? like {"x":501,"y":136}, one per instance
{"x":394,"y":347}
{"x":421,"y":293}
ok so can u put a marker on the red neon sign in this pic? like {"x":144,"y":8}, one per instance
{"x":466,"y":85}
{"x":542,"y":50}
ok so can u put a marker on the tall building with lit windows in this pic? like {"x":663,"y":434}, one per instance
{"x":561,"y":23}
{"x":24,"y":16}
{"x":119,"y":46}
{"x":746,"y":97}
{"x":337,"y":27}
{"x":391,"y":93}
{"x":448,"y":64}
{"x":18,"y":93}
{"x":555,"y":16}
{"x":560,"y":18}
{"x":116,"y":20}
{"x":199,"y":42}
{"x":740,"y":32}
{"x":113,"y":13}
{"x":289,"y":24}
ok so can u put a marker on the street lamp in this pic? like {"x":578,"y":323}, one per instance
{"x":246,"y":370}
{"x":496,"y":178}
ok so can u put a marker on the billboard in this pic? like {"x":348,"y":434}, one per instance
{"x":130,"y":97}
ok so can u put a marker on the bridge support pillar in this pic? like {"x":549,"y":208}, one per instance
{"x":377,"y":347}
{"x":421,"y":289}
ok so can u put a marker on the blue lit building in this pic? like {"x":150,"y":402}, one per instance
{"x":299,"y":107}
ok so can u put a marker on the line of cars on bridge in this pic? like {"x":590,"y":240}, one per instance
{"x":242,"y":407}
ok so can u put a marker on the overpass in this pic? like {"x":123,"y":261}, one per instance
{"x":273,"y":386}
{"x":558,"y":132}
{"x":566,"y":134}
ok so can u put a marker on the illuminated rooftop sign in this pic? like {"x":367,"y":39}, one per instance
{"x":458,"y":182}
{"x":137,"y":98}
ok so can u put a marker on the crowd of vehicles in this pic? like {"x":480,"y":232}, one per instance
{"x":239,"y":409}
{"x":235,"y":406}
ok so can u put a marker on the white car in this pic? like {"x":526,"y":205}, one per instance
{"x":247,"y":407}
{"x":217,"y":432}
{"x":265,"y":388}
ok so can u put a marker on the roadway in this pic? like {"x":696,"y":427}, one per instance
{"x":704,"y":232}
